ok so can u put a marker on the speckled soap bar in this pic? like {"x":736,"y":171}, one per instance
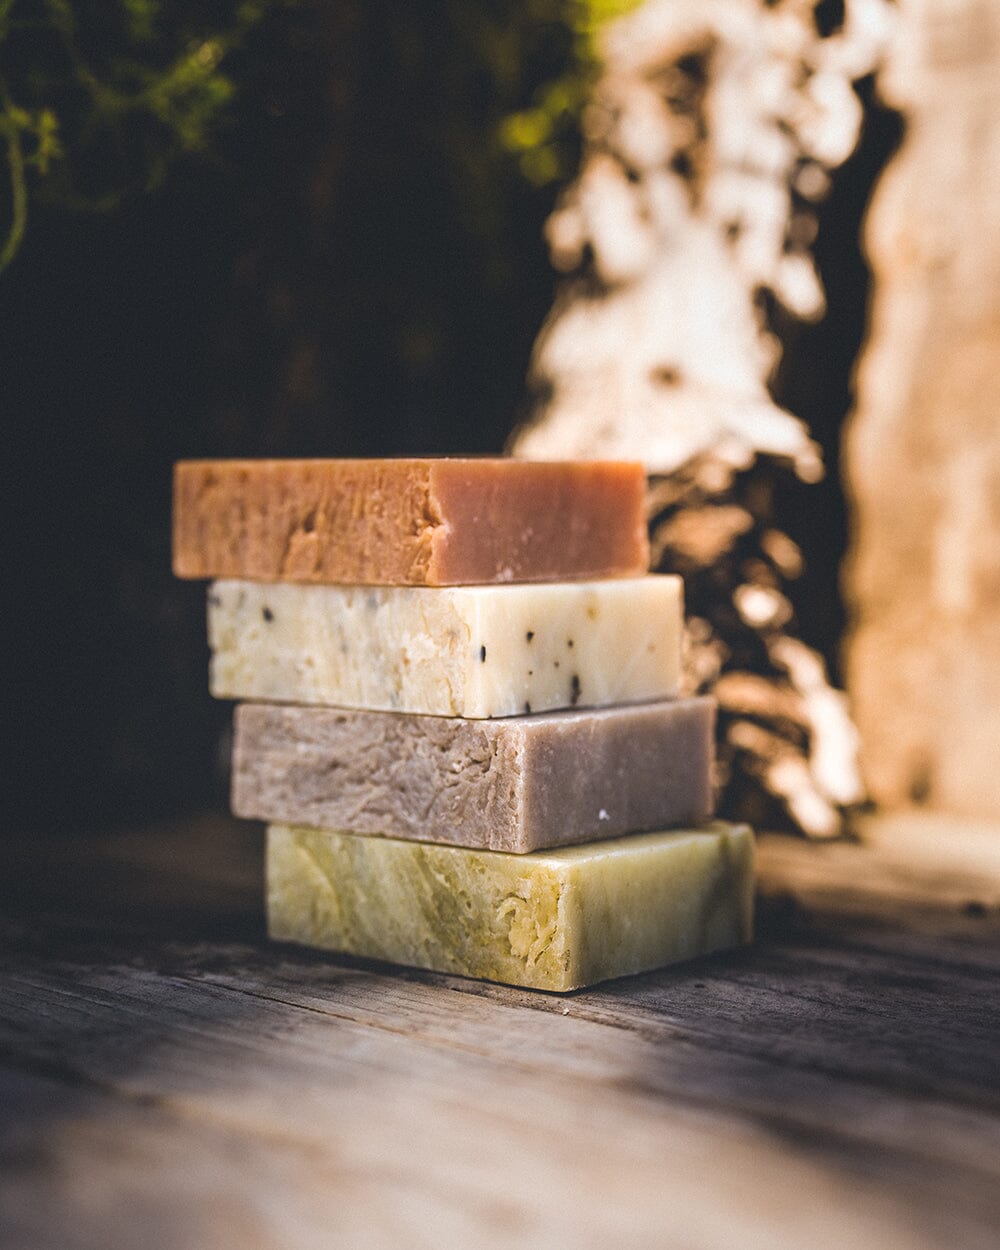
{"x":437,"y":522}
{"x":473,"y":651}
{"x":515,"y":784}
{"x":551,"y":920}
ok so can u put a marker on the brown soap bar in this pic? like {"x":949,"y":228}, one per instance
{"x":447,"y":522}
{"x":519,"y":784}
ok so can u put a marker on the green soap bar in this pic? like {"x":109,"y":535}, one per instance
{"x":549,"y":920}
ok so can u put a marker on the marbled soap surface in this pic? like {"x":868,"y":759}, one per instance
{"x":473,"y":651}
{"x":550,"y":920}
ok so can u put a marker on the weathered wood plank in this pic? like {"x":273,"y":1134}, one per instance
{"x":271,"y":1069}
{"x":916,"y":868}
{"x":116,"y":1174}
{"x":797,"y":1054}
{"x":838,"y":1082}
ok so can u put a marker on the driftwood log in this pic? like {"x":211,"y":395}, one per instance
{"x":707,"y":147}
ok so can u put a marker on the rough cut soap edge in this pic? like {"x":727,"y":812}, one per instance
{"x":294,"y":862}
{"x":194,"y":528}
{"x":248,"y":805}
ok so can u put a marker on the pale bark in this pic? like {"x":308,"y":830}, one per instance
{"x":924,"y":442}
{"x":708,"y":143}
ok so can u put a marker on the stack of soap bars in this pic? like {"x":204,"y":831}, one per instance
{"x":460,"y":714}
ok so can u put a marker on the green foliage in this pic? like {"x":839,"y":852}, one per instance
{"x":541,"y":136}
{"x":99,"y":97}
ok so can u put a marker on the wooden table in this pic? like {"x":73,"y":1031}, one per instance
{"x":170,"y":1080}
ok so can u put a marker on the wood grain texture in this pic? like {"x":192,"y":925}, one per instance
{"x":169,"y":1079}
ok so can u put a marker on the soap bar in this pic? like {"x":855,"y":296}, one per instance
{"x":551,"y":920}
{"x":473,"y":651}
{"x":510,"y":785}
{"x":446,"y":522}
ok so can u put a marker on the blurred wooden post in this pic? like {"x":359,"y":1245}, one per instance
{"x":923,"y":462}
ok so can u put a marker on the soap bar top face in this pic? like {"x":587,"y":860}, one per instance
{"x":552,"y":920}
{"x":446,"y":522}
{"x":474,"y":651}
{"x":511,"y":785}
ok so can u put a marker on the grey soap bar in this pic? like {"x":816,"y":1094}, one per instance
{"x":518,"y":784}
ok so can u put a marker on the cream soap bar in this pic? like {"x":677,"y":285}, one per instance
{"x":516,"y":784}
{"x":451,"y":521}
{"x":473,"y":651}
{"x":551,"y":920}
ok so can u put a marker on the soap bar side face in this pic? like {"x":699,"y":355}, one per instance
{"x":554,"y":920}
{"x":516,"y":784}
{"x":477,"y":652}
{"x":586,"y":644}
{"x":620,"y":771}
{"x":688,"y":895}
{"x":537,"y":521}
{"x":409,"y":521}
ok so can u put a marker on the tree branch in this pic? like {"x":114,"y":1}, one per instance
{"x":18,"y":184}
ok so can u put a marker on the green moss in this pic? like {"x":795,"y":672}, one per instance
{"x":100,"y":97}
{"x":542,"y":137}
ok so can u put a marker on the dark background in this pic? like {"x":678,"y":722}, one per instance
{"x":357,"y":268}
